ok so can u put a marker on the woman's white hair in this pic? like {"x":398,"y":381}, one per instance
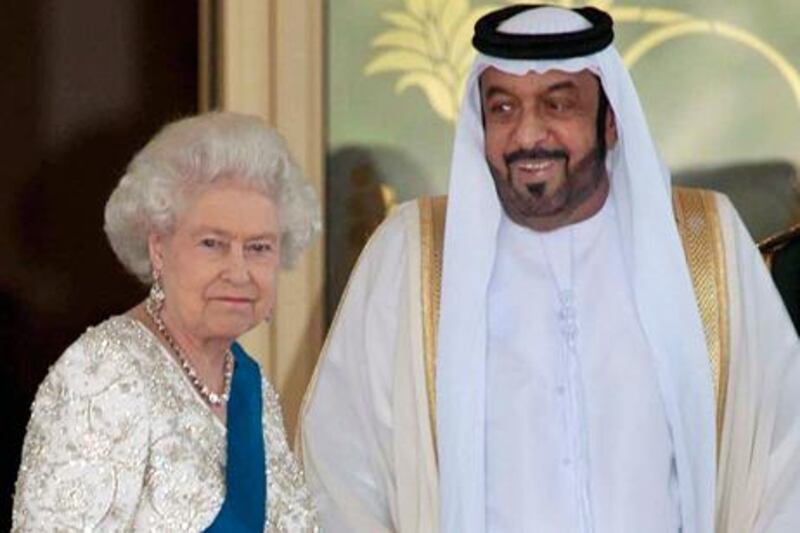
{"x":194,"y":152}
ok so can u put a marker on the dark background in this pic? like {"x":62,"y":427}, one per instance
{"x":83,"y":85}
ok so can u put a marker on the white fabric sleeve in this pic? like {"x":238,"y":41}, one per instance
{"x":347,"y":423}
{"x":83,"y":460}
{"x":759,"y":467}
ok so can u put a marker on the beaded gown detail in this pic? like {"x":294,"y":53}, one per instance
{"x":119,"y":440}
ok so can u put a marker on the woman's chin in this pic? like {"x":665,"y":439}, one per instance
{"x":232,"y":327}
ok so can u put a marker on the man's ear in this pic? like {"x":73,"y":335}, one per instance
{"x":610,"y":129}
{"x":155,"y":247}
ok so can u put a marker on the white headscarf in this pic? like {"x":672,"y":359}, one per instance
{"x":657,"y":271}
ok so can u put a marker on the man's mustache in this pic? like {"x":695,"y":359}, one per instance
{"x":534,"y":153}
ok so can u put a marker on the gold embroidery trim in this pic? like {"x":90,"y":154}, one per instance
{"x":431,"y":221}
{"x":698,"y":224}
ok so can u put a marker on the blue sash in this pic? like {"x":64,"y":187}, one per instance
{"x":244,"y":508}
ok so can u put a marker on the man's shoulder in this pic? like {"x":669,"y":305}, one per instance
{"x":387,"y":248}
{"x":396,"y":243}
{"x":401,"y":223}
{"x":678,"y":190}
{"x":713,"y":205}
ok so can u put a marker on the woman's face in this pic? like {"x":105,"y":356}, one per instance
{"x":218,"y":267}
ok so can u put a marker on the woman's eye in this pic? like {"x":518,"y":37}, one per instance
{"x":210,"y":243}
{"x":260,"y":247}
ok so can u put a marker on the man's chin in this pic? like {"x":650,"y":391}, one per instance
{"x":540,"y":214}
{"x":547,"y":218}
{"x":550,"y":200}
{"x":549,"y":211}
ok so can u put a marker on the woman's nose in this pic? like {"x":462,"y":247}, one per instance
{"x":236,"y":268}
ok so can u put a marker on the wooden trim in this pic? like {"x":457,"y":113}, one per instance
{"x":774,"y":243}
{"x":208,"y":39}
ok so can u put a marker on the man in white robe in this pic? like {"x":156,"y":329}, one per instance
{"x":573,"y":384}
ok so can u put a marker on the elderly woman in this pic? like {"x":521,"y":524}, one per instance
{"x":156,"y":420}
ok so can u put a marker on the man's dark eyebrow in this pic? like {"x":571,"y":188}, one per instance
{"x":494,"y":90}
{"x":561,"y":85}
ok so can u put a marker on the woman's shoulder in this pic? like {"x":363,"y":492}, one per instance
{"x":87,"y":434}
{"x":116,"y":332}
{"x":110,"y":352}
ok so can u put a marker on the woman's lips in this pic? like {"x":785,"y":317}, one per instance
{"x":233,"y":300}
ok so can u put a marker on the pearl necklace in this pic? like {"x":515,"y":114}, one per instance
{"x":212,"y":398}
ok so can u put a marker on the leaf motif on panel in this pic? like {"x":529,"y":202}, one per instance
{"x":428,"y":47}
{"x":427,"y":44}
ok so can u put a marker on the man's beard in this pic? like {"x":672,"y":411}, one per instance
{"x":526,"y":204}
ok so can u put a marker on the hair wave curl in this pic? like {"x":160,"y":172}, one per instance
{"x":195,"y":152}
